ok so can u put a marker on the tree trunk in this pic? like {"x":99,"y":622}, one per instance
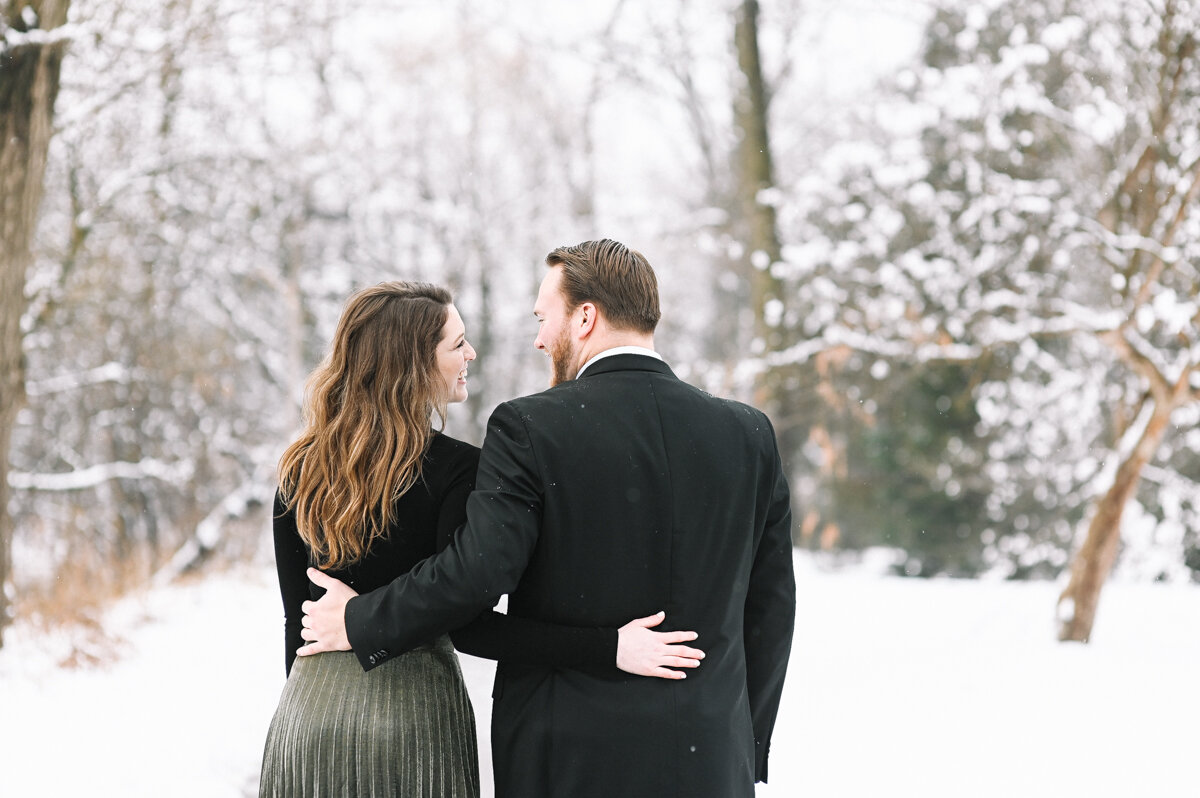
{"x":1078,"y":602}
{"x":756,"y":226}
{"x":29,"y":71}
{"x":1144,"y":206}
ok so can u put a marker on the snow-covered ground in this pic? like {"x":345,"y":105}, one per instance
{"x":897,"y":687}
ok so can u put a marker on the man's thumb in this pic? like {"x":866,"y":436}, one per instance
{"x":320,"y":579}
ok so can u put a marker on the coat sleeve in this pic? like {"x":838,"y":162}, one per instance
{"x":770,"y":611}
{"x":485,"y":561}
{"x":495,"y":635}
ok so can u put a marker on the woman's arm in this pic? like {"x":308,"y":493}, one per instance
{"x":291,"y":562}
{"x":493,"y":635}
{"x":634,"y":648}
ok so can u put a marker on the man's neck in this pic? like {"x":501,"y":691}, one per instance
{"x":612,"y":341}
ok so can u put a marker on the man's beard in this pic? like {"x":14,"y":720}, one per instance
{"x":562,"y":360}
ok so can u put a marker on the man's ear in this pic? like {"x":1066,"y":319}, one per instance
{"x":586,"y":321}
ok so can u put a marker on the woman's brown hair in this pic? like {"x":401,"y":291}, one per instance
{"x":368,"y":412}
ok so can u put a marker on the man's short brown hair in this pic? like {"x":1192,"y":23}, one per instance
{"x":616,"y":279}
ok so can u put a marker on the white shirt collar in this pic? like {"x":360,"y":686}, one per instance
{"x":619,"y":350}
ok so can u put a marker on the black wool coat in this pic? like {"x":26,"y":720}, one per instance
{"x":603,"y":499}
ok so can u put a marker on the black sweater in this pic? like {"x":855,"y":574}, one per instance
{"x":426,"y":518}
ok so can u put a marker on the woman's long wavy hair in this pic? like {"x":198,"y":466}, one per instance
{"x":368,"y":413}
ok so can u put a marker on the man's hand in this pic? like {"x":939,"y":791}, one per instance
{"x":647,"y":653}
{"x":324,"y":621}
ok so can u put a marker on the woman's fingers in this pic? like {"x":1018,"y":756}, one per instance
{"x":649,"y":621}
{"x":681,"y":662}
{"x":683,"y":651}
{"x":644,"y":652}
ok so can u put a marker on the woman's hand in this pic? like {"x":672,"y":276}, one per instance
{"x":648,"y":653}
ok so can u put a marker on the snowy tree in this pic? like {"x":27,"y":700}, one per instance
{"x":1028,"y":204}
{"x":1149,"y":236}
{"x":136,"y":428}
{"x":953,"y":307}
{"x":222,"y":179}
{"x":31,"y":53}
{"x":756,"y":224}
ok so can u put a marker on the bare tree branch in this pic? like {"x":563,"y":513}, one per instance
{"x":1138,"y":361}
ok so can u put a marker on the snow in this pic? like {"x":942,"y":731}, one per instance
{"x":100,"y":473}
{"x":109,"y":372}
{"x":13,"y":39}
{"x":896,"y":687}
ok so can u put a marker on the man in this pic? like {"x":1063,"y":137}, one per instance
{"x":618,"y":492}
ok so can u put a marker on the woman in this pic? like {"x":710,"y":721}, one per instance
{"x":367,"y":491}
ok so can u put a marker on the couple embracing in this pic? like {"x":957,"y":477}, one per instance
{"x":618,"y":503}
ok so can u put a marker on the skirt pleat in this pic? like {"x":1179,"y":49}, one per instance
{"x":402,"y":730}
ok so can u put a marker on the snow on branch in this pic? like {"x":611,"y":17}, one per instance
{"x":1139,"y":360}
{"x":98,"y":474}
{"x":109,"y":372}
{"x":1082,"y":318}
{"x":1127,"y":243}
{"x":209,"y":531}
{"x":11,"y":38}
{"x":1103,"y":478}
{"x":835,"y":337}
{"x":922,"y":352}
{"x":1064,"y":318}
{"x":1173,"y":480}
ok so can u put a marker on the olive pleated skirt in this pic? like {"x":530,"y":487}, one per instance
{"x":402,"y":730}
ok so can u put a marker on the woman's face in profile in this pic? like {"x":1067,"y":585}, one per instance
{"x":453,"y":355}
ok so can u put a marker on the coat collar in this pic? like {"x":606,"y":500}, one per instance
{"x":612,"y":363}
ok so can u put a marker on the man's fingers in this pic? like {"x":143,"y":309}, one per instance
{"x":667,"y":673}
{"x":311,"y":648}
{"x":682,"y":662}
{"x":677,"y":637}
{"x":308,"y":634}
{"x":321,"y":579}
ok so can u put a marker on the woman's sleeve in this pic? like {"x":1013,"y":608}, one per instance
{"x":291,"y":563}
{"x":494,"y":635}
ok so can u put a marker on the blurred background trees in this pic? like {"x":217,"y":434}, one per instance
{"x":1032,"y":218}
{"x":965,"y":289}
